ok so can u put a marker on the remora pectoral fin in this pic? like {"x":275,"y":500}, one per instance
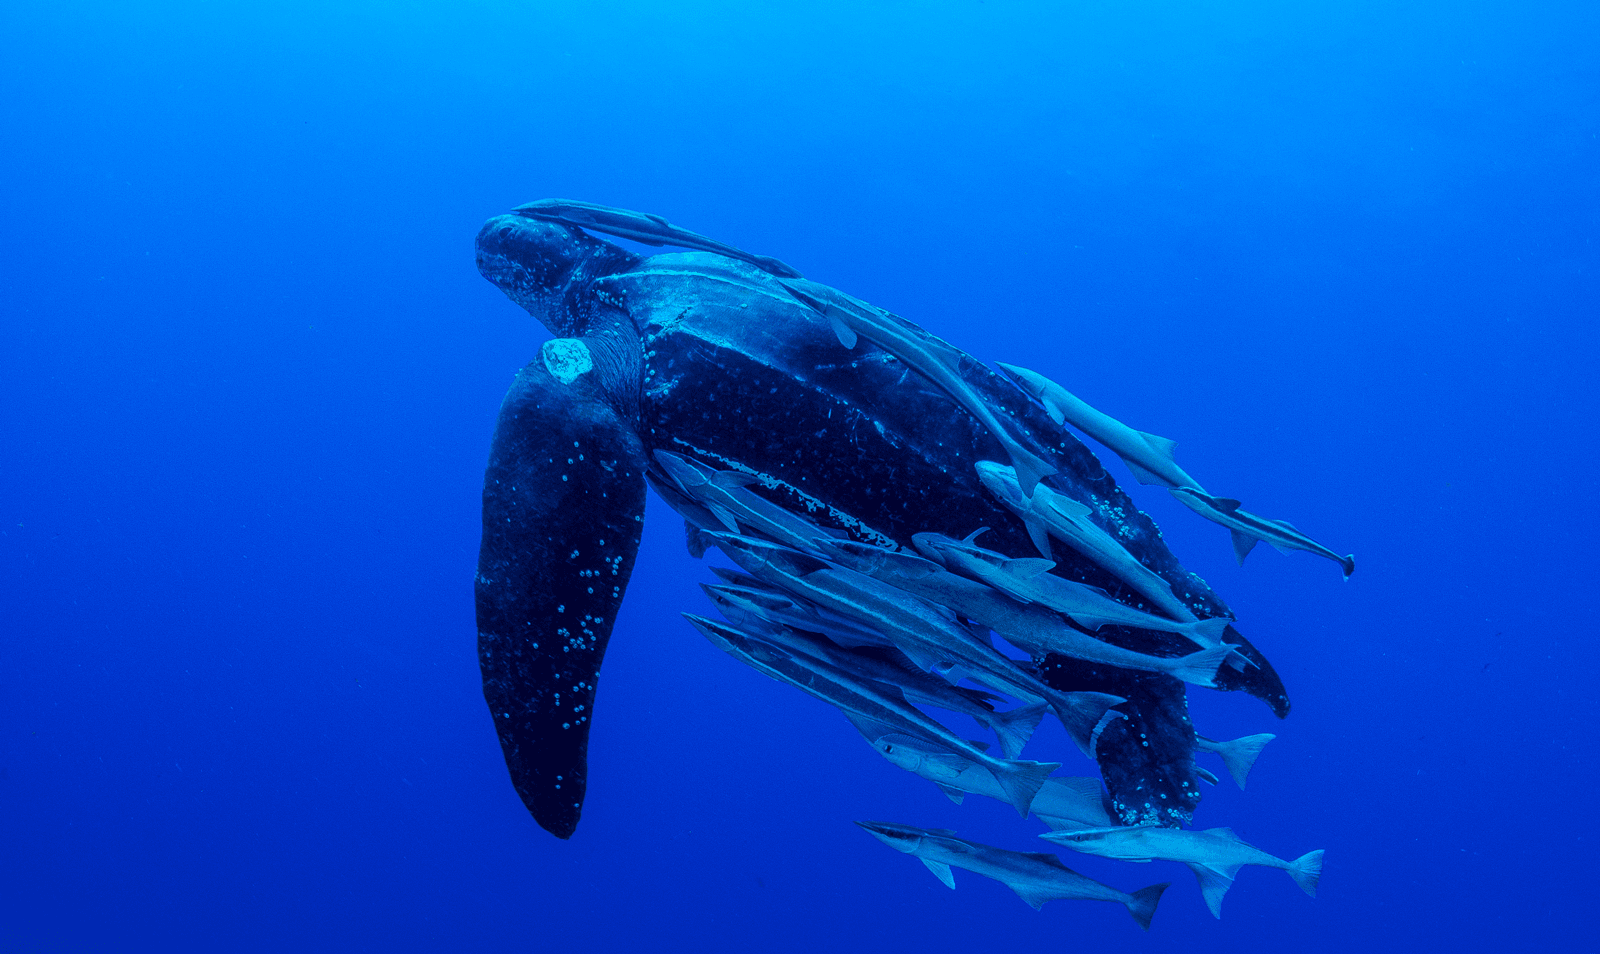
{"x":842,"y":331}
{"x":1214,"y":885}
{"x":563,"y":505}
{"x":941,"y":871}
{"x":1243,"y":543}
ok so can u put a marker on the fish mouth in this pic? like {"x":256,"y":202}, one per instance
{"x":1079,"y":835}
{"x":900,"y":837}
{"x":994,"y":477}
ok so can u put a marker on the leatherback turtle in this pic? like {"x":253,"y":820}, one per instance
{"x":718,"y":369}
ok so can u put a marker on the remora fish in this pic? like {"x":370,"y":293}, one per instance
{"x":721,"y":493}
{"x":1239,"y":755}
{"x":1027,"y":579}
{"x":748,"y":599}
{"x":875,"y":703}
{"x":1012,"y":728}
{"x":1083,"y":714}
{"x":932,"y":639}
{"x":923,"y":353}
{"x":1061,"y":802}
{"x":642,"y":227}
{"x":1036,"y":877}
{"x":1215,"y":855}
{"x":1049,"y":513}
{"x":1148,"y":456}
{"x":1247,"y":528}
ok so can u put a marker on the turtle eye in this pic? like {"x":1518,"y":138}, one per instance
{"x":505,"y":232}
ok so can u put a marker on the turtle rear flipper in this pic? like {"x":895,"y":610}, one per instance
{"x":563,"y":507}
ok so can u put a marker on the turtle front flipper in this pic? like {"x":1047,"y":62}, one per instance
{"x":563,"y":507}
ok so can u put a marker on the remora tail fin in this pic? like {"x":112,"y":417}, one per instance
{"x":1021,"y":780}
{"x":1083,"y":715}
{"x":1306,"y":870}
{"x":1142,"y":903}
{"x":1013,"y":728}
{"x":1201,"y":668}
{"x":1030,"y":468}
{"x":1240,"y":754}
{"x":1212,"y":628}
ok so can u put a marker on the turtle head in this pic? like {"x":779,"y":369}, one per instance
{"x":545,"y":267}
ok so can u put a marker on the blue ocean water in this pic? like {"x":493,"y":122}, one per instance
{"x":1344,"y":253}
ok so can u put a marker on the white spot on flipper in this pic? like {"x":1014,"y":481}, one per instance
{"x":566,"y":359}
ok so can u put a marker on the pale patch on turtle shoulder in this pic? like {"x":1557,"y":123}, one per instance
{"x":566,"y":359}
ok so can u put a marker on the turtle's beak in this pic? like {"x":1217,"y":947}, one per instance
{"x":534,"y":261}
{"x":530,"y":261}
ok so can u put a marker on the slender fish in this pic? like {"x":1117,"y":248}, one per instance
{"x":1148,"y":456}
{"x":925,"y":354}
{"x":1050,"y":513}
{"x":1028,"y":580}
{"x":1247,"y":528}
{"x":1215,"y":855}
{"x":1012,"y":728}
{"x":1036,"y":877}
{"x":642,"y":227}
{"x":1062,"y":802}
{"x":873,"y":703}
{"x":927,"y":633}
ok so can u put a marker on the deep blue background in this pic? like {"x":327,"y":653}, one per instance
{"x":1344,"y":253}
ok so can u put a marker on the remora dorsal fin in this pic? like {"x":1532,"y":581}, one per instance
{"x":1086,"y":788}
{"x":1035,"y":895}
{"x":1066,"y":506}
{"x":1161,"y":445}
{"x":1044,"y":858}
{"x":1027,"y":568}
{"x":733,"y":478}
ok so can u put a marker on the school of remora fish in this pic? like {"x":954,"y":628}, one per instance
{"x":880,"y":634}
